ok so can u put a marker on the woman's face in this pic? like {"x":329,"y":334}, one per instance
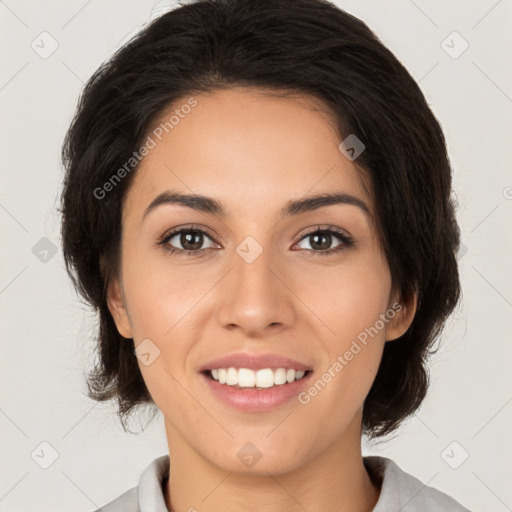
{"x":257,"y":282}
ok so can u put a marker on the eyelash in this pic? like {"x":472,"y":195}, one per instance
{"x":346,"y":240}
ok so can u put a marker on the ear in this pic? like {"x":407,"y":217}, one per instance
{"x":116,"y":305}
{"x":403,"y":317}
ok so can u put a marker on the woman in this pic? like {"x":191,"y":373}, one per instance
{"x":257,"y":202}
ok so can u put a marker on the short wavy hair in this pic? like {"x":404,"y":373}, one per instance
{"x":290,"y":46}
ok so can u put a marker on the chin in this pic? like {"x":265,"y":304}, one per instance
{"x":257,"y":458}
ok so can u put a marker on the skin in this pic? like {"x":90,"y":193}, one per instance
{"x":254,"y":153}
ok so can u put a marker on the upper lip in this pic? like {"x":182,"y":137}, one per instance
{"x":254,"y":362}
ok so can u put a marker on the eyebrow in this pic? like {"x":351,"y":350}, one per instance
{"x":211,"y":206}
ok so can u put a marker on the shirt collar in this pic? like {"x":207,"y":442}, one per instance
{"x":397,"y":487}
{"x":152,"y":484}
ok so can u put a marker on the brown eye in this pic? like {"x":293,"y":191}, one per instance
{"x":190,"y":240}
{"x":320,"y":240}
{"x":186,"y":241}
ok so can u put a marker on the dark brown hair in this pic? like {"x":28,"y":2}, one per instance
{"x":306,"y":46}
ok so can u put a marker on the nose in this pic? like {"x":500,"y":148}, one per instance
{"x":256,"y":298}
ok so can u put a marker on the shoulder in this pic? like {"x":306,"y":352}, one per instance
{"x":402,"y":491}
{"x":148,"y":495}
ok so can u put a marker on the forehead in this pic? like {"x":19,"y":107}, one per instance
{"x":247,"y":149}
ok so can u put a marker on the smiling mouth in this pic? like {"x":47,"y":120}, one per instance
{"x":265,"y":378}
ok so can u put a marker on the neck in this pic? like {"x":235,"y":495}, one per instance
{"x":334,"y":480}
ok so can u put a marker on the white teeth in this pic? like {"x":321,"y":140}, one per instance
{"x":280,"y":376}
{"x":244,"y":377}
{"x":264,"y":378}
{"x":231,"y":377}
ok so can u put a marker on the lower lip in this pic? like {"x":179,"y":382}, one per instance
{"x":256,"y":400}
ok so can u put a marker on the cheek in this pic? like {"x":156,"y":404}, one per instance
{"x":160,"y":295}
{"x":162,"y":305}
{"x":350,"y":301}
{"x":348,"y":297}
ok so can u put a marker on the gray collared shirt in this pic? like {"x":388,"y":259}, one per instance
{"x":400,"y":491}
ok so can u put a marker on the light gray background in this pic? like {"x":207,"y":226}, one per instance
{"x":47,"y":332}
